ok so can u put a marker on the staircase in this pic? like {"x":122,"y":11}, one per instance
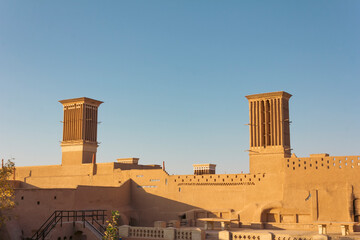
{"x":89,"y":218}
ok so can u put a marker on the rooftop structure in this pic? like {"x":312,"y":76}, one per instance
{"x":79,"y":142}
{"x":207,"y":168}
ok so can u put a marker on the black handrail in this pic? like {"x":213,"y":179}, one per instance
{"x":95,"y":229}
{"x":102,"y":228}
{"x":74,"y":215}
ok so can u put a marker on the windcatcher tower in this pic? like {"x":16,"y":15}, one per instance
{"x":79,"y":142}
{"x":269,"y":131}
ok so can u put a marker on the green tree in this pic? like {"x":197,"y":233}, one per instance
{"x":112,"y":230}
{"x":7,"y":195}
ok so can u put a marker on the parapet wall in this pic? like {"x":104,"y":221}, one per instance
{"x":218,"y":179}
{"x":344,"y":163}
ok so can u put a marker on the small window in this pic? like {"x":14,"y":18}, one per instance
{"x":179,"y":189}
{"x":22,"y":197}
{"x":54,"y":197}
{"x":38,"y":202}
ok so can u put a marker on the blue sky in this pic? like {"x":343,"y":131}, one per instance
{"x":173,"y":76}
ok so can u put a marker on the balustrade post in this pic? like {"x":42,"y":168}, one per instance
{"x":169,"y":233}
{"x":224,"y":235}
{"x":124,"y":231}
{"x":198,"y":234}
{"x":83,"y":218}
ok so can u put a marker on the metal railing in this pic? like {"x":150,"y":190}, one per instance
{"x":86,"y":216}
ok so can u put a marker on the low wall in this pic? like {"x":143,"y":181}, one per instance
{"x":128,"y":232}
{"x":227,"y":235}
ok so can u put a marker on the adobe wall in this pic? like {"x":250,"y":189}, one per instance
{"x":34,"y":206}
{"x":67,"y":176}
{"x":322,"y":184}
{"x":158,"y":196}
{"x":58,"y":176}
{"x":298,"y":191}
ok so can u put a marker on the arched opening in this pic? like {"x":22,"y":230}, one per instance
{"x":271,"y":215}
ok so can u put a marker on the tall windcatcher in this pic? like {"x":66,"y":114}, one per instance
{"x":79,"y":142}
{"x":269,"y":130}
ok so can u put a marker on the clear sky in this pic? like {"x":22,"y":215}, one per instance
{"x":173,"y":76}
